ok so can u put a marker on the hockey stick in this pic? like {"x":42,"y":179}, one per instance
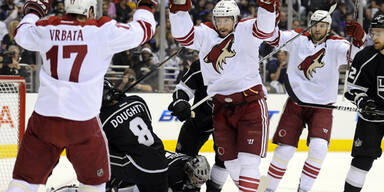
{"x":356,"y":6}
{"x":150,"y":72}
{"x":321,"y":106}
{"x":333,"y":7}
{"x":197,"y":104}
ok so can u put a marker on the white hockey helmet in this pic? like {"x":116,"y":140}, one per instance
{"x":198,"y":171}
{"x":319,"y":14}
{"x":226,"y":8}
{"x":80,"y":7}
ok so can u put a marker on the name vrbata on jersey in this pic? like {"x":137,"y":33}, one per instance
{"x":125,"y":114}
{"x":66,"y":35}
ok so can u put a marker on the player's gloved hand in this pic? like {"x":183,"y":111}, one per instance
{"x":354,"y":30}
{"x":181,"y":109}
{"x":39,"y":7}
{"x":179,"y":5}
{"x":368,"y":108}
{"x":269,"y":5}
{"x":149,"y":3}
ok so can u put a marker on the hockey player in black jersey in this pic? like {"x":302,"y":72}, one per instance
{"x":196,"y":131}
{"x":137,"y":155}
{"x":366,"y":91}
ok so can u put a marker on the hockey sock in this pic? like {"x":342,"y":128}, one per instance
{"x":357,"y":173}
{"x":91,"y":188}
{"x":21,"y":186}
{"x":233,"y":167}
{"x":249,"y":174}
{"x":219,"y":175}
{"x":317,"y":151}
{"x":278,"y":165}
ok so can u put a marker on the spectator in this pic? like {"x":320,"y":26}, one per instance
{"x":283,"y":24}
{"x":11,"y":65}
{"x":147,"y":64}
{"x":367,"y":19}
{"x":295,"y":24}
{"x":9,"y":39}
{"x":380,"y":11}
{"x":123,"y":11}
{"x":276,"y":69}
{"x":3,"y":31}
{"x":128,"y":79}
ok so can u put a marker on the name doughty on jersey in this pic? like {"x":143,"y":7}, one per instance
{"x":125,"y":113}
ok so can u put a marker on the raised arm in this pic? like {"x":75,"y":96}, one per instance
{"x":127,"y":36}
{"x":265,"y":26}
{"x":26,"y":34}
{"x":182,"y":28}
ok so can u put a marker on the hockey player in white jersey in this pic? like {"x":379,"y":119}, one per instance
{"x":76,"y":51}
{"x":229,"y":65}
{"x":314,"y":60}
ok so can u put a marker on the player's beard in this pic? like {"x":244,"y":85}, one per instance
{"x":318,"y":38}
{"x":378,"y":46}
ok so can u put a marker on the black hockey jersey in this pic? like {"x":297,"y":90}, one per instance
{"x":366,"y":77}
{"x":128,"y":127}
{"x":192,"y":83}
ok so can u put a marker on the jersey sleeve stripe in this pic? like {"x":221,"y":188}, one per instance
{"x":276,"y":41}
{"x":260,"y":34}
{"x":147,"y":31}
{"x":188,"y":39}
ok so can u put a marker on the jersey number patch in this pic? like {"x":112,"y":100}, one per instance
{"x":81,"y":51}
{"x":140,"y":129}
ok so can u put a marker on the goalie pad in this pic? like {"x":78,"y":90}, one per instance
{"x":180,"y":5}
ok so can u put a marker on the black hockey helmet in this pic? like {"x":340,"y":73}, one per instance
{"x":110,"y":93}
{"x":378,"y":21}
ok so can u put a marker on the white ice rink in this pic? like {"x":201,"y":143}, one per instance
{"x":331,"y":178}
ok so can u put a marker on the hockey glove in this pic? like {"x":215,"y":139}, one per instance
{"x":181,"y":109}
{"x":149,"y":3}
{"x":354,"y":30}
{"x":367,"y":107}
{"x":39,"y":7}
{"x":269,"y":5}
{"x":179,"y":5}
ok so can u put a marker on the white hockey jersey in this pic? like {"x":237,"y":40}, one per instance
{"x":76,"y":57}
{"x":313,"y":70}
{"x":229,"y":64}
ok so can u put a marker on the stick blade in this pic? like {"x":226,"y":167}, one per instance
{"x":333,"y":7}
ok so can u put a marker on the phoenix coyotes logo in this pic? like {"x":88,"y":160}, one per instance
{"x":309,"y":65}
{"x":218,"y":54}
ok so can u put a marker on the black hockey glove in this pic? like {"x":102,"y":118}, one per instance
{"x":368,"y":108}
{"x":181,"y":109}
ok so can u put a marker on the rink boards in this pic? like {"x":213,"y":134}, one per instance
{"x":167,"y":127}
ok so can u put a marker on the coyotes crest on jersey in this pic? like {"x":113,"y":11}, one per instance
{"x":218,"y":54}
{"x":310,"y":63}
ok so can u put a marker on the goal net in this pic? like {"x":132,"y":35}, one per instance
{"x":12,"y":124}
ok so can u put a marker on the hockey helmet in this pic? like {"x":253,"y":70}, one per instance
{"x":320,"y":14}
{"x":226,"y":8}
{"x":109,"y":93}
{"x":198,"y":171}
{"x":378,"y":22}
{"x":80,"y":7}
